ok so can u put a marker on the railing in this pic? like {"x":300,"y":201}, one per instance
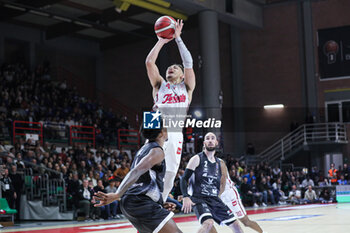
{"x":22,"y":128}
{"x":82,"y":134}
{"x":128,"y":138}
{"x":61,"y":133}
{"x":55,"y":132}
{"x":306,"y":134}
{"x":250,"y":160}
{"x":56,"y":193}
{"x":27,"y":177}
{"x":38,"y":185}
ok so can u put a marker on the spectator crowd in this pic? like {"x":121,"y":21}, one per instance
{"x":86,"y":170}
{"x":262,"y":185}
{"x":34,"y":97}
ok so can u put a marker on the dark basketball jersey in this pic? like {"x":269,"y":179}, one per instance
{"x":150,"y":183}
{"x":207,"y":177}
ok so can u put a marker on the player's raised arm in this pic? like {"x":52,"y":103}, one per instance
{"x":152,"y":70}
{"x":191,"y":166}
{"x":189,"y":78}
{"x":155,"y":156}
{"x":224,"y":173}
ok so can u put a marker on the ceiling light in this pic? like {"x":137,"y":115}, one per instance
{"x":14,"y":7}
{"x":83,"y":24}
{"x":274,"y":106}
{"x":62,"y":19}
{"x":39,"y":13}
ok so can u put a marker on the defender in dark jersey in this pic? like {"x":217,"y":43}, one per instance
{"x":141,"y":190}
{"x":210,"y":175}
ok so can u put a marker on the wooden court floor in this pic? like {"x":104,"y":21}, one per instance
{"x":332,"y":218}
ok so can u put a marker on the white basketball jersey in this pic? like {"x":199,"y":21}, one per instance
{"x":171,"y":95}
{"x":229,"y":183}
{"x":172,"y":101}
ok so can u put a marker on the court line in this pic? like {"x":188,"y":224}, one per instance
{"x":75,"y":228}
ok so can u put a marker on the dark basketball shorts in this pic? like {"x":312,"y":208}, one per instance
{"x":144,"y":214}
{"x":212,"y":208}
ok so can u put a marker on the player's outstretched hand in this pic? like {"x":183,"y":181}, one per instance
{"x":187,"y":205}
{"x":163,"y":40}
{"x":104,"y":198}
{"x":178,"y":27}
{"x":169,"y":206}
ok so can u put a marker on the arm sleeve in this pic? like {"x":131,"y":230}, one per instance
{"x":185,"y":54}
{"x":184,"y":182}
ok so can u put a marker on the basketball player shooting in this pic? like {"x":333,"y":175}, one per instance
{"x":173,"y":93}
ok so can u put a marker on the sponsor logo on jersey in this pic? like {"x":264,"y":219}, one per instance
{"x":172,"y":99}
{"x":179,"y":150}
{"x":137,"y":184}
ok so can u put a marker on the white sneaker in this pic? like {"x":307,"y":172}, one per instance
{"x":263,"y":204}
{"x":255,"y":205}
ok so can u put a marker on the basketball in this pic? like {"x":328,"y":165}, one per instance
{"x":165,"y":27}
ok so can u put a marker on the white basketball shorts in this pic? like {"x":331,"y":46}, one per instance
{"x":232,"y":199}
{"x":173,"y":151}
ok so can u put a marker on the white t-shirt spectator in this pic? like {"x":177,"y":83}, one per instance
{"x":69,"y":123}
{"x":276,"y":171}
{"x":295,"y":193}
{"x":86,"y":194}
{"x":98,"y":159}
{"x":311,"y":196}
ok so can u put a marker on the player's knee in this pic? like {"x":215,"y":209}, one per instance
{"x":208,"y":224}
{"x":245,"y":221}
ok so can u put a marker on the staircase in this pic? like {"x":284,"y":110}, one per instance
{"x":305,"y":135}
{"x":44,"y":197}
{"x":43,"y":194}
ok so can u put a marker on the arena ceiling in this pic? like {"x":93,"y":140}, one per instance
{"x":98,"y":20}
{"x":109,"y":22}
